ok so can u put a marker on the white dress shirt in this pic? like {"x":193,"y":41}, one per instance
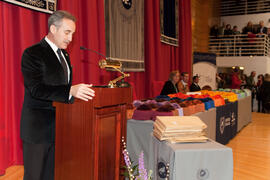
{"x":183,"y":82}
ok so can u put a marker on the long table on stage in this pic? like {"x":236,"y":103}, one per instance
{"x":139,"y":132}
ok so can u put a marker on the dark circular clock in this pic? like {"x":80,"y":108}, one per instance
{"x":127,"y":3}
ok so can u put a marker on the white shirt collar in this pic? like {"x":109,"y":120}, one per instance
{"x":183,"y":83}
{"x":53,"y":46}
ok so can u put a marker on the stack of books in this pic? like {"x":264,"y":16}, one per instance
{"x":180,"y":129}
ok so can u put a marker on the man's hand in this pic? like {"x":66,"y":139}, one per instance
{"x":82,"y":91}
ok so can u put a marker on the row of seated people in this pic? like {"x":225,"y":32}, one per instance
{"x":177,"y":84}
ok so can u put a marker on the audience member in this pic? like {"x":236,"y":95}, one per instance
{"x":214,"y":31}
{"x":235,"y":30}
{"x":195,"y":86}
{"x":259,"y":96}
{"x":236,"y":82}
{"x":221,"y":29}
{"x":249,"y":28}
{"x":228,"y":30}
{"x":183,"y":84}
{"x":265,"y":93}
{"x":252,"y":86}
{"x":244,"y":81}
{"x":220,"y":80}
{"x":268,"y":32}
{"x":262,"y":29}
{"x":170,"y":86}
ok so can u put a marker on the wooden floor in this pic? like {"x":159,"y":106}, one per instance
{"x":13,"y":173}
{"x":251,"y":151}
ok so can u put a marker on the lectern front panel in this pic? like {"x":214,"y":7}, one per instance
{"x":88,"y":135}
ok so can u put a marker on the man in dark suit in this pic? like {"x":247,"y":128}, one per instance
{"x":262,"y":30}
{"x":195,"y":86}
{"x":47,"y":78}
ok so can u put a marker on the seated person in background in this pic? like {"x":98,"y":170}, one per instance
{"x":183,"y":84}
{"x":206,"y":87}
{"x":195,"y":86}
{"x":236,"y":82}
{"x":170,"y":86}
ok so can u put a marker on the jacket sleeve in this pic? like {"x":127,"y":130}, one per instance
{"x":33,"y":71}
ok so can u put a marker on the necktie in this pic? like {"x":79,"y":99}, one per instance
{"x":64,"y":66}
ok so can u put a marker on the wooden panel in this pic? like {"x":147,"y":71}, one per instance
{"x":109,"y":135}
{"x":88,"y":136}
{"x":75,"y":141}
{"x":111,"y":96}
{"x":203,"y":13}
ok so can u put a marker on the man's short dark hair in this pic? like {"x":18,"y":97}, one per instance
{"x":184,"y":73}
{"x":195,"y":77}
{"x":57,"y":17}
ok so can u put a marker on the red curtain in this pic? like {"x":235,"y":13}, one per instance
{"x":161,"y":58}
{"x":22,"y":27}
{"x":19,"y":28}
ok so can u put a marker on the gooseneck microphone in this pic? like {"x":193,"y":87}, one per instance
{"x":84,"y":48}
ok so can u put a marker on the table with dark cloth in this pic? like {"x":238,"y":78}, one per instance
{"x":226,"y":122}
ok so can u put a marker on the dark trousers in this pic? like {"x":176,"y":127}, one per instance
{"x":38,"y":161}
{"x":252,"y":100}
{"x":260,"y":106}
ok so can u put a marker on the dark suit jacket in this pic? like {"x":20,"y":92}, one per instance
{"x":169,"y":88}
{"x":44,"y":82}
{"x":263,"y":31}
{"x":193,"y":87}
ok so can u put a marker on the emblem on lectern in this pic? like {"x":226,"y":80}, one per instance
{"x":163,"y":170}
{"x":202,"y":174}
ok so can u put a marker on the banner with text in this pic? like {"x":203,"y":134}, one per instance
{"x":47,"y":6}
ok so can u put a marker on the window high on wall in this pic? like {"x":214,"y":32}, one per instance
{"x":169,"y":22}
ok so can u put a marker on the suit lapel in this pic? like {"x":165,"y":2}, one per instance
{"x":48,"y":51}
{"x":52,"y":56}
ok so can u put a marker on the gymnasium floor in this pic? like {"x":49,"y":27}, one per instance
{"x":251,"y":151}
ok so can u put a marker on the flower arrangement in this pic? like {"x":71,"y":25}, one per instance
{"x":142,"y":173}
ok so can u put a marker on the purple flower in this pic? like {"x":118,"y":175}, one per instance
{"x":142,"y":171}
{"x":126,"y":158}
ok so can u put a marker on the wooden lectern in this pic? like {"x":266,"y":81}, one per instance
{"x":88,"y":136}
